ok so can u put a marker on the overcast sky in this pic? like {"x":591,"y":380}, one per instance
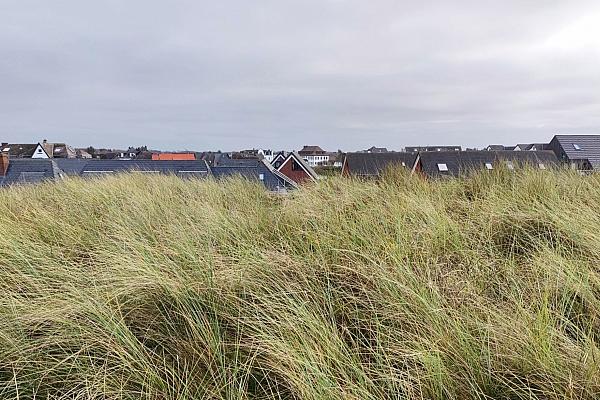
{"x":349,"y":74}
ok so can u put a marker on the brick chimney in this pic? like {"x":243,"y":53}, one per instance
{"x":3,"y":163}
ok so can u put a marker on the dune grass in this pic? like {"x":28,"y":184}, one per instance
{"x":150,"y":287}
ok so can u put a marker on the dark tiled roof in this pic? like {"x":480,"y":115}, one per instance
{"x":589,"y":146}
{"x":415,"y":149}
{"x":99,"y":166}
{"x":372,"y":164}
{"x":307,"y":150}
{"x":252,"y":170}
{"x":22,"y":150}
{"x":27,"y":170}
{"x":454,"y":163}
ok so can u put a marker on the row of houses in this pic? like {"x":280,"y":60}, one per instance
{"x":30,"y":170}
{"x":579,"y":152}
{"x":290,"y":170}
{"x":283,"y":171}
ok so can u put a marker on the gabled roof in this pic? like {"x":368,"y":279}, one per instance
{"x":530,"y":147}
{"x":27,"y":170}
{"x":252,"y":169}
{"x":307,"y":168}
{"x":22,"y":150}
{"x":372,"y":164}
{"x":589,"y":147}
{"x":453,"y":163}
{"x":278,"y":155}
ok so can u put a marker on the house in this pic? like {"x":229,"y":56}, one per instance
{"x":59,"y":150}
{"x":376,"y":150}
{"x":499,"y":147}
{"x":452,"y":163}
{"x":297,"y":169}
{"x":266,"y":154}
{"x":111,"y":154}
{"x":370,"y":165}
{"x":314,"y":155}
{"x":581,"y":152}
{"x":173,"y":156}
{"x":20,"y":171}
{"x":24,"y":150}
{"x":82,"y":153}
{"x":336,"y":159}
{"x":278,"y":159}
{"x":531,"y":147}
{"x":254,"y":169}
{"x":421,"y":149}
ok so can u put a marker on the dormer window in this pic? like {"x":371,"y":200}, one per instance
{"x":576,"y":146}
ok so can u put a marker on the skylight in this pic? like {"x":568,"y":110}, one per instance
{"x":510,"y":165}
{"x":442,"y":167}
{"x":6,"y":149}
{"x":542,"y":166}
{"x":576,"y":146}
{"x":489,"y":165}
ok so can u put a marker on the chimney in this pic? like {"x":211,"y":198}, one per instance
{"x":45,"y":141}
{"x":3,"y":163}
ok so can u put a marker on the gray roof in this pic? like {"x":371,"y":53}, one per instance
{"x":589,"y":147}
{"x":252,"y":169}
{"x":99,"y":166}
{"x":27,"y":170}
{"x":20,"y":150}
{"x":414,"y":149}
{"x":454,"y":163}
{"x":372,"y":164}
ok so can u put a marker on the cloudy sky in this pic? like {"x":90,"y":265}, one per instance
{"x":229,"y":74}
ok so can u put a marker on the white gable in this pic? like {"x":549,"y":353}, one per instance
{"x":39,"y":152}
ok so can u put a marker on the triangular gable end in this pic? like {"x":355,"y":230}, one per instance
{"x":278,"y":159}
{"x":39,"y":152}
{"x":307,"y":169}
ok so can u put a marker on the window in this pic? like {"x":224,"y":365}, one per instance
{"x":542,"y":166}
{"x":442,"y":167}
{"x":261,"y":177}
{"x":576,"y":146}
{"x":296,"y":166}
{"x":6,"y":149}
{"x":510,"y":165}
{"x":489,"y":165}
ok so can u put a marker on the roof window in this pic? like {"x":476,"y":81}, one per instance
{"x":510,"y":165}
{"x":576,"y":146}
{"x":489,"y":165}
{"x":442,"y":167}
{"x":542,"y":166}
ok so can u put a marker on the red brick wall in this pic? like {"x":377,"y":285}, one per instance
{"x":298,"y":176}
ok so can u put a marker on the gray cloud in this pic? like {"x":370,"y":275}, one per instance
{"x":279,"y":73}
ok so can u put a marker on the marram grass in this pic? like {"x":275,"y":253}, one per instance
{"x":149,"y":287}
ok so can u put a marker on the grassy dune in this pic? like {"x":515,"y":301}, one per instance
{"x":149,"y":287}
